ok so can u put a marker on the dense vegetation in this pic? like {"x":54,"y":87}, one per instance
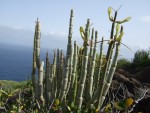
{"x":140,"y":61}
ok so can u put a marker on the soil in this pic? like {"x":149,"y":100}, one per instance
{"x":134,"y":84}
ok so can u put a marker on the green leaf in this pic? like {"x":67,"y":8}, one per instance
{"x":109,"y":14}
{"x":109,"y":10}
{"x":3,"y":92}
{"x":72,"y":104}
{"x":68,"y":107}
{"x":82,"y":33}
{"x":15,"y":91}
{"x":118,"y":106}
{"x":108,"y":108}
{"x":125,"y":20}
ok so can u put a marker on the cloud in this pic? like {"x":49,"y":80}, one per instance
{"x":145,"y":19}
{"x":24,"y":37}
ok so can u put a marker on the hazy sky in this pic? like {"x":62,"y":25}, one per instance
{"x":17,"y":21}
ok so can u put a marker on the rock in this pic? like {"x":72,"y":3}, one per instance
{"x":140,"y":80}
{"x":3,"y":110}
{"x":123,"y":72}
{"x":131,"y":83}
{"x":144,"y":75}
{"x":143,"y":105}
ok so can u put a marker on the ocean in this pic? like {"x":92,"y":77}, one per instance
{"x":16,"y":62}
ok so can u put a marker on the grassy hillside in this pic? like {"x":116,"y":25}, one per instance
{"x":8,"y":85}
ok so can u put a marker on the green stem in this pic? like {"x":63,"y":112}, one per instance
{"x":84,"y":69}
{"x":68,"y":58}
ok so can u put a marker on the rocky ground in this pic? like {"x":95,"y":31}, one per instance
{"x":133,"y":86}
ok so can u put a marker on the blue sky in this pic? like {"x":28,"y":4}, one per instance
{"x":17,"y":21}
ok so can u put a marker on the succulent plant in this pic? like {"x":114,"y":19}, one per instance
{"x":79,"y":80}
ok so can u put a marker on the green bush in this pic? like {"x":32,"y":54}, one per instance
{"x":141,"y":59}
{"x":123,"y":64}
{"x":8,"y":85}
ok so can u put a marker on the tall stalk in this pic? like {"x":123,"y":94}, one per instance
{"x":57,"y":73}
{"x":73,"y":86}
{"x":84,"y":67}
{"x":61,"y":70}
{"x":54,"y":74}
{"x":87,"y":94}
{"x":99,"y":65}
{"x":47,"y":80}
{"x":109,"y":60}
{"x":40,"y":83}
{"x":39,"y":64}
{"x":112,"y":69}
{"x":93,"y":66}
{"x":34,"y":61}
{"x":68,"y":58}
{"x":70,"y":72}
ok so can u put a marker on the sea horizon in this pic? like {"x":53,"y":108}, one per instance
{"x":16,"y":61}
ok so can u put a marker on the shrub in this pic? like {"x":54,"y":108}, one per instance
{"x":123,"y":64}
{"x":141,"y":59}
